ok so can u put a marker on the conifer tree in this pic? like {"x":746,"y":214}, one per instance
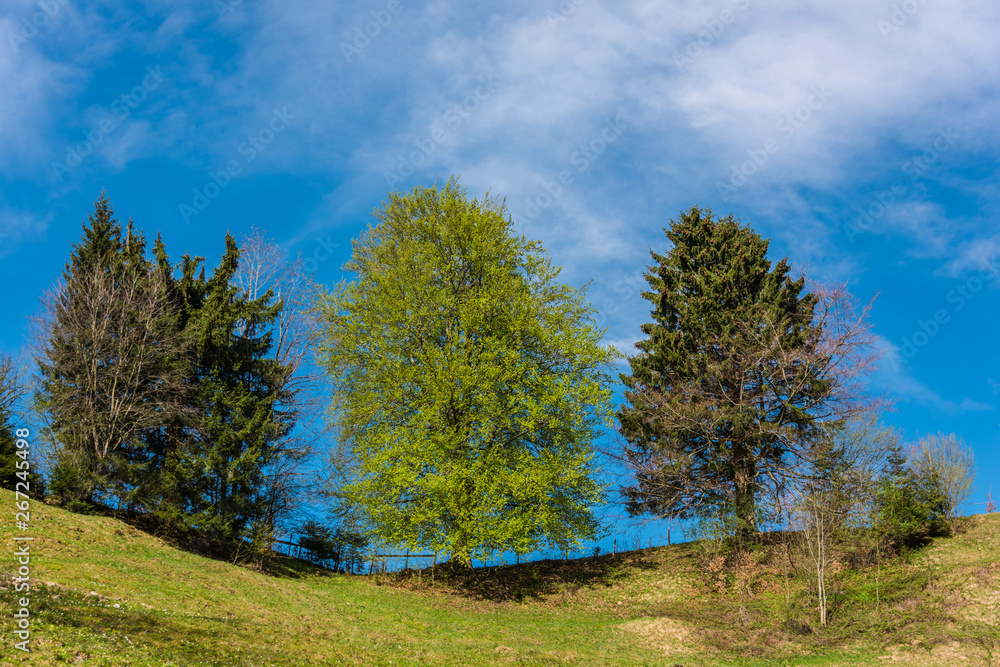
{"x":212,"y":457}
{"x":166,"y":489}
{"x":104,"y":361}
{"x":239,"y":389}
{"x":905,"y":500}
{"x":739,"y":372}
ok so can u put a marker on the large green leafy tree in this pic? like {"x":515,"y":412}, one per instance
{"x":734,"y":380}
{"x":469,"y":383}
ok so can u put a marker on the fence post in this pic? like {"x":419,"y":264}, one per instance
{"x":406,"y":563}
{"x":614,"y":548}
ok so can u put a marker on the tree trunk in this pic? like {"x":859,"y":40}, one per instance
{"x":746,"y":511}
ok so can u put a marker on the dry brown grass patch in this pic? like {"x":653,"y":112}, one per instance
{"x":661,"y":634}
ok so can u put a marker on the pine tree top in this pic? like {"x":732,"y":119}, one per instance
{"x":104,"y":243}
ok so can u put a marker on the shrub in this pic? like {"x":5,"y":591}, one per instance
{"x":341,"y":547}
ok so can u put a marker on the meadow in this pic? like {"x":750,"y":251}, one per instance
{"x":106,"y":593}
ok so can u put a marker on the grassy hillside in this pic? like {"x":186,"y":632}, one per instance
{"x":107,"y":594}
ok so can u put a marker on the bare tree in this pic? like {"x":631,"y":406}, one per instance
{"x":951,"y":461}
{"x":264,"y":266}
{"x":105,"y":356}
{"x":836,"y":491}
{"x":11,"y":386}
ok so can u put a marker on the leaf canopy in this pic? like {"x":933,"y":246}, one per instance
{"x":469,"y":383}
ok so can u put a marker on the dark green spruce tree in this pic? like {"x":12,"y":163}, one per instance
{"x":242,"y":405}
{"x":166,"y":490}
{"x":724,"y":395}
{"x":906,"y":503}
{"x":213,"y":457}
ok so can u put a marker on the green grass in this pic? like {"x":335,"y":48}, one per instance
{"x":650,"y":607}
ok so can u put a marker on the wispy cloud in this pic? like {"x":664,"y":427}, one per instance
{"x":749,"y":75}
{"x":17,"y":226}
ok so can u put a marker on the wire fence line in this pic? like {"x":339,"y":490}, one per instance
{"x":296,"y":550}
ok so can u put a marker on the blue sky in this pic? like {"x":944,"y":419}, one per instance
{"x":860,"y":136}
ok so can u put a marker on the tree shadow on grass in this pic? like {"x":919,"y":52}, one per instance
{"x":153,"y":630}
{"x":533,"y":580}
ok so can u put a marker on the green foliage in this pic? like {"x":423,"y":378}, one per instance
{"x":717,"y":397}
{"x":210,"y":467}
{"x":8,"y":454}
{"x":906,"y":503}
{"x":12,"y":470}
{"x":173,"y":406}
{"x":334,"y":547}
{"x":79,"y":507}
{"x":469,"y":383}
{"x":65,"y":479}
{"x":96,"y":317}
{"x":319,"y":540}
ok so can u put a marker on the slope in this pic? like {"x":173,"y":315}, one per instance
{"x":104,"y":593}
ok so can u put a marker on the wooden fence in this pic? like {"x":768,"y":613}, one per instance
{"x":375,"y":558}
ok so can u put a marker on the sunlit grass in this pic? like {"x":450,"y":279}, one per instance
{"x":648,"y":607}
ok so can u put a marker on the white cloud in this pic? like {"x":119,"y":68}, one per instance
{"x":18,"y":226}
{"x":689,"y":123}
{"x":979,"y":256}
